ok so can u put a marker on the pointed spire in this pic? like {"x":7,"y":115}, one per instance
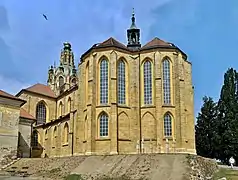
{"x":133,"y":20}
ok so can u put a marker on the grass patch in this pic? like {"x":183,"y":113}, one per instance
{"x":229,"y":174}
{"x":74,"y":177}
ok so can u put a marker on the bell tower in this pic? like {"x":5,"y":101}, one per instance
{"x":67,"y":56}
{"x":133,"y":34}
{"x":64,"y":76}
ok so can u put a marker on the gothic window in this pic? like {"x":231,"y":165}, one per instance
{"x":166,"y":82}
{"x":40,"y":113}
{"x":46,"y":134}
{"x":34,"y":140}
{"x":66,"y":133}
{"x":61,"y":81}
{"x":121,"y":83}
{"x":103,"y":125}
{"x":147,"y":82}
{"x":133,"y":36}
{"x":60,"y":109}
{"x":54,"y":136}
{"x":167,"y":125}
{"x":69,"y":105}
{"x":104,"y":82}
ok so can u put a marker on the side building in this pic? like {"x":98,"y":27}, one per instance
{"x":15,"y":129}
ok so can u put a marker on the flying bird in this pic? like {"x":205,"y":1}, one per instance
{"x":45,"y":17}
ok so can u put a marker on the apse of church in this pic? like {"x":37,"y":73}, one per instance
{"x":119,"y":100}
{"x":134,"y":99}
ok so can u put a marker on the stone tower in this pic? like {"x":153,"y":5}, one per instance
{"x":133,"y":34}
{"x":64,"y":76}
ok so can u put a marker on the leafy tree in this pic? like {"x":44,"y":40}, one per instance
{"x":227,"y":121}
{"x":205,"y":133}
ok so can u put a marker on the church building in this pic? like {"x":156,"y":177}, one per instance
{"x":120,"y":99}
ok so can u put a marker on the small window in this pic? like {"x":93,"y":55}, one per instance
{"x":61,"y":81}
{"x":167,"y":125}
{"x":34,"y":140}
{"x":66,"y":133}
{"x":104,"y":125}
{"x":40,"y":113}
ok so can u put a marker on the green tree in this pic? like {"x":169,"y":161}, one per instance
{"x":227,"y":121}
{"x":205,"y":133}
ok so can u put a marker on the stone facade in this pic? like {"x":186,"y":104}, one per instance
{"x":10,"y":114}
{"x":24,"y":137}
{"x":120,"y":100}
{"x":135,"y":121}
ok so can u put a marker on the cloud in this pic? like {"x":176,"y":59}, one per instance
{"x":11,"y":86}
{"x":34,"y":43}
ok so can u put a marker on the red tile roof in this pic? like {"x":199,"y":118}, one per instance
{"x":156,"y":42}
{"x":25,"y":114}
{"x":7,"y":95}
{"x":41,"y":89}
{"x":111,"y":42}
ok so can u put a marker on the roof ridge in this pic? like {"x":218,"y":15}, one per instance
{"x":8,"y":95}
{"x":112,"y":42}
{"x":111,"y":39}
{"x":155,"y":42}
{"x":25,"y":114}
{"x":41,"y":89}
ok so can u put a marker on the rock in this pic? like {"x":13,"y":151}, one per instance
{"x":14,"y":157}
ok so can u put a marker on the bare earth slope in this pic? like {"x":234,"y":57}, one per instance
{"x":145,"y":166}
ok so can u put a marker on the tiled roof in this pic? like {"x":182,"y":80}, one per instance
{"x":41,"y":89}
{"x":155,"y":43}
{"x":7,"y":95}
{"x":111,"y":42}
{"x":25,"y":114}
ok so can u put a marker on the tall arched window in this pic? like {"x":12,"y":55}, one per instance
{"x":167,"y":125}
{"x":104,"y":81}
{"x":69,"y":105}
{"x":147,"y":82}
{"x":34,"y":139}
{"x":61,"y":81}
{"x":54,"y":136}
{"x":66,"y":133}
{"x":121,"y":83}
{"x":40,"y":113}
{"x":166,"y":81}
{"x":60,"y":109}
{"x":103,"y":125}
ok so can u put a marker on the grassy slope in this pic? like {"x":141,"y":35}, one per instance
{"x":228,"y":173}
